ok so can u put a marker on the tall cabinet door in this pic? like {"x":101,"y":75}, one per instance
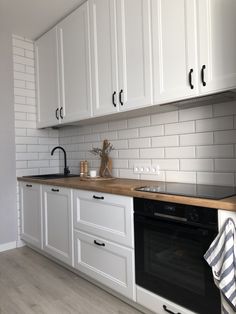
{"x":104,"y":56}
{"x":31,"y":214}
{"x":47,"y":79}
{"x":57,"y":218}
{"x":134,"y":53}
{"x":217,"y":40}
{"x":75,"y":67}
{"x":174,"y":50}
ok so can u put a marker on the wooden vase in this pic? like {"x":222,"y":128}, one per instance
{"x":105,"y":170}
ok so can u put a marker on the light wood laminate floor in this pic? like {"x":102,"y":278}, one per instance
{"x":31,"y":283}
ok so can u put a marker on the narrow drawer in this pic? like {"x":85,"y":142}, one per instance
{"x":106,"y":215}
{"x":106,"y":262}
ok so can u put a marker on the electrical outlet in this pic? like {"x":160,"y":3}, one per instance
{"x":147,"y":169}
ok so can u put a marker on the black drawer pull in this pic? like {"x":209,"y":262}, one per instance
{"x":98,"y":197}
{"x":203,"y":75}
{"x":55,"y":190}
{"x":120,"y":97}
{"x":29,"y":185}
{"x":113,"y":99}
{"x":99,"y":244}
{"x":61,"y":113}
{"x":168,"y":311}
{"x":190,"y":79}
{"x":56,"y":113}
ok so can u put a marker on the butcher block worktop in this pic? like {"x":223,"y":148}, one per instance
{"x":127,"y":187}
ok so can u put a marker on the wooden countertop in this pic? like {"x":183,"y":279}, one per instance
{"x":127,"y":187}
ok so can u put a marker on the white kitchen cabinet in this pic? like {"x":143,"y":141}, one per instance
{"x":74,"y":52}
{"x":31,"y":213}
{"x":57,"y":221}
{"x":105,"y":215}
{"x":157,"y":304}
{"x":217,"y":44}
{"x":108,"y":263}
{"x":175,"y":73}
{"x":47,"y":71}
{"x":121,"y":55}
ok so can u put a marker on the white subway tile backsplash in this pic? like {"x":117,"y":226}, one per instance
{"x":140,"y":142}
{"x":117,"y":125}
{"x":164,"y":118}
{"x":195,"y":113}
{"x":215,"y":178}
{"x":196,"y":165}
{"x":128,"y":133}
{"x":224,"y":109}
{"x":180,"y":128}
{"x":180,"y":152}
{"x":165,"y":141}
{"x":214,"y":124}
{"x":155,"y":177}
{"x":152,"y":153}
{"x":225,"y":137}
{"x":139,"y":122}
{"x":167,"y":164}
{"x":128,"y":153}
{"x":181,"y":176}
{"x":215,"y":151}
{"x":157,"y":130}
{"x":196,"y":139}
{"x":225,"y":165}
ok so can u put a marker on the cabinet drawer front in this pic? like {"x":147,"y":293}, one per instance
{"x":105,"y":215}
{"x":106,"y":262}
{"x":156,"y":303}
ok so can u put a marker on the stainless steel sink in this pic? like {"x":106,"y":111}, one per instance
{"x":52,"y":176}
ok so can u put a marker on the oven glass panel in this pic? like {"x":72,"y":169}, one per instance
{"x":170,"y":263}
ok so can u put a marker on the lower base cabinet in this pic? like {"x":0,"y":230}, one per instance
{"x":108,"y":263}
{"x":57,"y":222}
{"x":158,"y":304}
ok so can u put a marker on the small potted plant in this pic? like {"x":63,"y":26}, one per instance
{"x":105,"y":170}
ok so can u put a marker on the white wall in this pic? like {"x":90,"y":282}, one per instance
{"x":196,"y":145}
{"x":8,"y":213}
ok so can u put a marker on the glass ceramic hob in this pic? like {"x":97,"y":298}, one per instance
{"x":214,"y":192}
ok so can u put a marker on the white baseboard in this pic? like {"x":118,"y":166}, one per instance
{"x":7,"y":246}
{"x":20,"y":243}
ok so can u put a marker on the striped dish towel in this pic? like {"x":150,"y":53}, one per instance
{"x":221,"y":256}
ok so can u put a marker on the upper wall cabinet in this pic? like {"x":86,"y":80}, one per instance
{"x":47,"y":79}
{"x":75,"y":65}
{"x":63,"y":71}
{"x":217,"y":44}
{"x":121,"y":50}
{"x":194,"y":48}
{"x":174,"y":50}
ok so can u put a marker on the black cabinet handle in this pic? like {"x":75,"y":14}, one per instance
{"x":190,"y":79}
{"x":55,"y":190}
{"x":29,"y":185}
{"x":56,"y":113}
{"x":203,"y":75}
{"x":99,"y":244}
{"x":98,"y":197}
{"x":168,"y":311}
{"x":120,"y":97}
{"x":113,"y":99}
{"x":61,"y":115}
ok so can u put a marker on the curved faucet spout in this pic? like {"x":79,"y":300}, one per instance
{"x":66,"y":168}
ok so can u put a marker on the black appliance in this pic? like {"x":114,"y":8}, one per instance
{"x":193,"y":190}
{"x":170,"y":241}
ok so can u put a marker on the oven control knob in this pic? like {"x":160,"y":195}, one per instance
{"x":193,"y":215}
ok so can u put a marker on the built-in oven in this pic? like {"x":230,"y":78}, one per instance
{"x":170,"y":241}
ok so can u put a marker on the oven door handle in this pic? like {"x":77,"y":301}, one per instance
{"x":170,"y":217}
{"x":169,"y":311}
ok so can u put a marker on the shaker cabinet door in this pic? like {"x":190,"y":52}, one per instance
{"x":134,"y":53}
{"x":104,"y":56}
{"x":57,"y":219}
{"x":217,"y":45}
{"x":47,"y":79}
{"x":175,"y":68}
{"x":74,"y":54}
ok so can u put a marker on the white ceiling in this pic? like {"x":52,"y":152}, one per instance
{"x":31,"y":18}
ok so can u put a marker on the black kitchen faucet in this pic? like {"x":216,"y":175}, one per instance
{"x":66,"y":168}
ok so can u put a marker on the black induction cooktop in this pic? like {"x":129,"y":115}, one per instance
{"x":214,"y":192}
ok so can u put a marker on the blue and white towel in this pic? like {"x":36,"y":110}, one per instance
{"x":221,"y":256}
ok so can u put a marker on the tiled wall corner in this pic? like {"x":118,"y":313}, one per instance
{"x":32,"y":146}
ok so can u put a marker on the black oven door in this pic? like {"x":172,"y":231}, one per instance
{"x":169,"y":262}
